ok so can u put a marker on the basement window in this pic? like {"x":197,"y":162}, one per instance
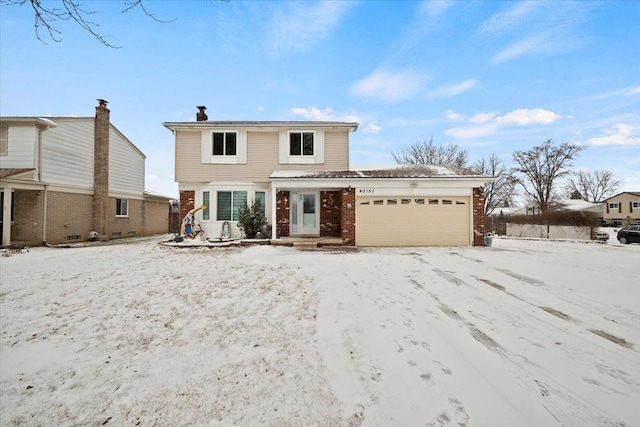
{"x":447,"y":202}
{"x":433,"y":201}
{"x":405,"y":201}
{"x":392,"y":201}
{"x":122,"y":207}
{"x":419,"y":201}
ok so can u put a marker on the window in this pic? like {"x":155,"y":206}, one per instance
{"x":447,"y":202}
{"x":405,"y":201}
{"x":433,"y":201}
{"x":419,"y":201}
{"x":301,"y":144}
{"x":635,"y":205}
{"x":228,"y":204}
{"x":224,"y":143}
{"x":392,"y":201}
{"x":4,"y":140}
{"x":122,"y":207}
{"x":207,"y":203}
{"x":614,"y":205}
{"x":260,"y":197}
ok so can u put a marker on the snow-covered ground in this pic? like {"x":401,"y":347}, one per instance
{"x":523,"y":333}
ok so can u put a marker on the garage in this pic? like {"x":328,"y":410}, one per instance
{"x":413,"y":221}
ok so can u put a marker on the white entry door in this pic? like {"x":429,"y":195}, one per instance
{"x":305,"y":214}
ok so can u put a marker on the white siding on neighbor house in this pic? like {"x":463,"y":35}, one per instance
{"x":21,"y":150}
{"x":126,"y":165}
{"x":67,"y":153}
{"x":262,"y":157}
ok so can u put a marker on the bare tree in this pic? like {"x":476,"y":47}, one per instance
{"x":501,"y":191}
{"x":427,"y":153}
{"x":538,"y":170}
{"x":594,"y":186}
{"x":47,"y":14}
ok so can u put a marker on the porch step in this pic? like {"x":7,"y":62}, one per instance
{"x":305,"y":245}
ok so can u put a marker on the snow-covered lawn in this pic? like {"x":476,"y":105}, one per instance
{"x":524,"y":333}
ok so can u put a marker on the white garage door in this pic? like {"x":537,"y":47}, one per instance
{"x":415,"y":221}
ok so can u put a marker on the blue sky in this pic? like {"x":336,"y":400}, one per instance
{"x":491,"y":76}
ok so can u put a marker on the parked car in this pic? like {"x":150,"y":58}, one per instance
{"x":630,"y":234}
{"x":601,"y":235}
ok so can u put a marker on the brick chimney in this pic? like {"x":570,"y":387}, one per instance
{"x":201,"y":116}
{"x":101,"y":171}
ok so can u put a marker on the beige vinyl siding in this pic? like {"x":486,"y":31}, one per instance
{"x":126,"y":165}
{"x":67,"y":153}
{"x":21,"y":147}
{"x":262,"y":158}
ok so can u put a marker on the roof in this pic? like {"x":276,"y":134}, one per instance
{"x":387,"y":172}
{"x":271,"y":124}
{"x":633,"y":193}
{"x":9,"y":172}
{"x":578,"y":204}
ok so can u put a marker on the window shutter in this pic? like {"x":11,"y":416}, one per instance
{"x":607,"y":207}
{"x":631,"y":207}
{"x":620,"y":207}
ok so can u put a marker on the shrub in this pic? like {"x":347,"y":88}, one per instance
{"x":251,"y":219}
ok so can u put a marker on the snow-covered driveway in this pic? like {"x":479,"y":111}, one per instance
{"x":523,"y":333}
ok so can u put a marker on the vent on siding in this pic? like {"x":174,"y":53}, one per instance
{"x":131,"y":233}
{"x":116,"y":234}
{"x":73,"y":237}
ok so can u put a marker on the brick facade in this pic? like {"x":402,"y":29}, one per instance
{"x":478,"y":216}
{"x":28,"y":209}
{"x":330,"y":218}
{"x":187,"y":202}
{"x":348,"y":216}
{"x":101,"y":172}
{"x":282,"y":213}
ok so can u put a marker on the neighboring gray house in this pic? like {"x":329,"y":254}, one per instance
{"x":64,"y":177}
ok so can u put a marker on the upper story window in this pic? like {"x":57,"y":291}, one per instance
{"x":225,"y":144}
{"x":301,"y":147}
{"x":223,"y":147}
{"x":4,"y":140}
{"x":122,"y":207}
{"x":614,"y":205}
{"x":301,"y":143}
{"x":635,"y":205}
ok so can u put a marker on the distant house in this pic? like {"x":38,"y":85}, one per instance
{"x":622,"y":209}
{"x":66,"y":179}
{"x":575,"y":205}
{"x":299,"y":171}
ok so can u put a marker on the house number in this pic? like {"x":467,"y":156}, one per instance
{"x":365,"y":190}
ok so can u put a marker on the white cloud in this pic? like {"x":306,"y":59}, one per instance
{"x":533,"y":28}
{"x":619,"y":134}
{"x":485,"y":124}
{"x":470,"y":132}
{"x":314,"y":113}
{"x":524,"y":116}
{"x":260,"y":108}
{"x":389,"y":86}
{"x":292,"y":29}
{"x":453,"y":116}
{"x":372,"y":128}
{"x":453,"y":90}
{"x":480,"y":118}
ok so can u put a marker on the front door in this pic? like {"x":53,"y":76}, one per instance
{"x":305,"y":219}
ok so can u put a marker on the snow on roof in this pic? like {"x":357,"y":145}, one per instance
{"x":578,"y":204}
{"x":385,"y":171}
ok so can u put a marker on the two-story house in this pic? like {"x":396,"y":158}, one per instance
{"x":69,"y":179}
{"x":622,"y":209}
{"x":299,"y":170}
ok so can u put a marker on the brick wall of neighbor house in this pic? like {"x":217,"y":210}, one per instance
{"x":282,"y":213}
{"x":156,"y":217}
{"x":27,"y":224}
{"x":187,"y":202}
{"x":348,"y":217}
{"x":69,"y":217}
{"x":330,"y":213}
{"x":126,"y":226}
{"x":478,"y":216}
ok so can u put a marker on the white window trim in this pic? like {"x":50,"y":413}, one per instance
{"x":635,"y":204}
{"x":120,"y":215}
{"x":614,"y":205}
{"x":206,"y":148}
{"x":4,"y":140}
{"x":318,"y":149}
